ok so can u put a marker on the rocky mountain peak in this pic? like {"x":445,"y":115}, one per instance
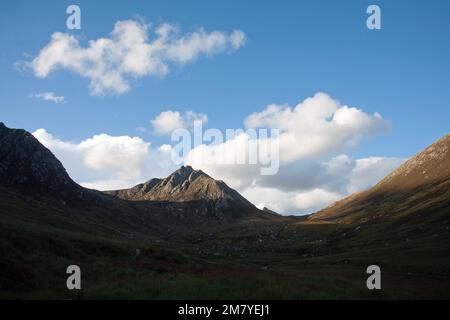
{"x":27,"y":165}
{"x":187,"y":185}
{"x":183,"y":176}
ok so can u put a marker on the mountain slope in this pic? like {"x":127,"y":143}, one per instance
{"x":420,"y":186}
{"x":185,"y":186}
{"x":25,"y":164}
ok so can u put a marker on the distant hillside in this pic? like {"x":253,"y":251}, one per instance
{"x":420,"y":186}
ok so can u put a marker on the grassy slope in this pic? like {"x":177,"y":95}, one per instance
{"x":284,"y":258}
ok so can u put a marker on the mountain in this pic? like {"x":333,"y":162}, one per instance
{"x":419,"y":187}
{"x":26,"y":165}
{"x":186,"y":188}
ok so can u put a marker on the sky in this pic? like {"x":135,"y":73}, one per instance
{"x":351,"y":103}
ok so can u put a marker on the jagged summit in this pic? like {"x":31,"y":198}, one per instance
{"x":188,"y":185}
{"x":181,"y":178}
{"x":27,"y":165}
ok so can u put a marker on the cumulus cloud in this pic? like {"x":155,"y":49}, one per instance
{"x":50,"y":96}
{"x":130,"y":52}
{"x":290,"y":202}
{"x":317,"y":126}
{"x":107,"y":162}
{"x":231,"y":160}
{"x":368,"y":171}
{"x":168,"y":121}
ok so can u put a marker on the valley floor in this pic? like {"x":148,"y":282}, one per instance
{"x":285,"y":258}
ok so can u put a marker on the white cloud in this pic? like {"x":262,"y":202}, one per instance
{"x":272,"y":198}
{"x":50,"y":96}
{"x":315,"y":198}
{"x":237,"y":39}
{"x":318,"y":126}
{"x":165,"y":148}
{"x":123,"y":154}
{"x":107,"y":162}
{"x":227,"y":161}
{"x":168,"y":121}
{"x":107,"y":184}
{"x":130,"y":52}
{"x":290,"y":202}
{"x":369,"y":171}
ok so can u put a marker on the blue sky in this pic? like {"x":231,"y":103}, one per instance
{"x":293,"y":49}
